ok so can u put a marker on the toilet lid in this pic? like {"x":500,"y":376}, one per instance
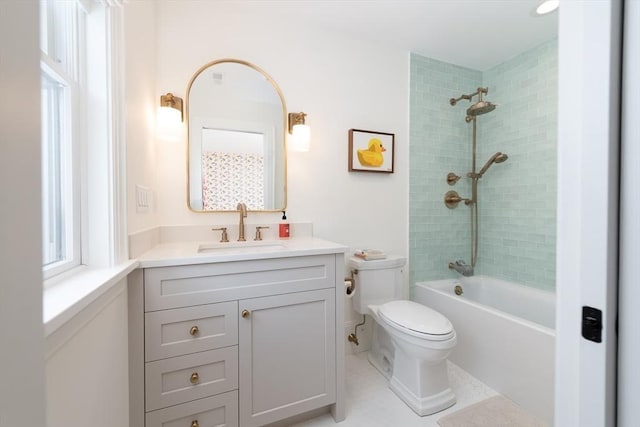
{"x":416,"y":317}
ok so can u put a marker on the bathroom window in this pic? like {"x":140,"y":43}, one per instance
{"x":61,"y":30}
{"x":83,"y":169}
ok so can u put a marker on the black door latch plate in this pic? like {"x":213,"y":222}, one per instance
{"x":592,"y":324}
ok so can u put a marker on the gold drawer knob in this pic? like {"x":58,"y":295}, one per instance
{"x":195,"y":423}
{"x":195,"y":378}
{"x":194,"y":331}
{"x":246,"y":313}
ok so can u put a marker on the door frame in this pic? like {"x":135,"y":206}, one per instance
{"x":587,"y":235}
{"x":629,"y":293}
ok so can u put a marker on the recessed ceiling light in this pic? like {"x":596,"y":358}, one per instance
{"x":547,"y":6}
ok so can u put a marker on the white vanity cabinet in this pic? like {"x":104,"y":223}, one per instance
{"x":239,"y":343}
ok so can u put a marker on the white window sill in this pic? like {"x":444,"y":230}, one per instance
{"x":66,"y":297}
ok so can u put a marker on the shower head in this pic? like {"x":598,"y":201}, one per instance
{"x":477,"y":109}
{"x":496,"y":158}
{"x":480,"y":107}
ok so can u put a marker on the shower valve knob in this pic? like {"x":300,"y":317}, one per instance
{"x":452,"y":198}
{"x":452,"y":178}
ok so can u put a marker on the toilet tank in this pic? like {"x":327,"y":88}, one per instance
{"x":377,"y":281}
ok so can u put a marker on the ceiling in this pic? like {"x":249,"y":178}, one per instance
{"x":472,"y":33}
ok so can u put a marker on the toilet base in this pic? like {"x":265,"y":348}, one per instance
{"x":381,"y":353}
{"x":416,"y":370}
{"x":422,"y":384}
{"x":382,"y":364}
{"x":423,"y":405}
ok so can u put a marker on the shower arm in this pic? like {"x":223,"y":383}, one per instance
{"x":454,"y":101}
{"x":479,"y":92}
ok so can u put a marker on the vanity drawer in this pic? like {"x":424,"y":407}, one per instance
{"x":194,"y":376}
{"x":218,"y":411}
{"x":175,"y":332}
{"x":182,"y":286}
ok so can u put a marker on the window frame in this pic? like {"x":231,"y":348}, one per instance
{"x":99,"y":181}
{"x":67,"y":165}
{"x":62,"y":61}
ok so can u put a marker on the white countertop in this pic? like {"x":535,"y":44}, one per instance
{"x":185,"y":253}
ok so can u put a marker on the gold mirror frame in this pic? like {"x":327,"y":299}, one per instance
{"x":269,"y":79}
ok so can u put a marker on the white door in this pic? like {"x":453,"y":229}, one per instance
{"x":629,"y":315}
{"x":587,"y":256}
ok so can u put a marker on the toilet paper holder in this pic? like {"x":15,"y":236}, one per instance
{"x":350,"y":283}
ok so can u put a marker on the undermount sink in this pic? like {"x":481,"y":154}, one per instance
{"x":236,"y":247}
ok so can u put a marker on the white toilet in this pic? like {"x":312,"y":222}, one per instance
{"x":412,"y":346}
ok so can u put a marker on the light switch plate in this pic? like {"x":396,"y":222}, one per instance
{"x":143,"y":198}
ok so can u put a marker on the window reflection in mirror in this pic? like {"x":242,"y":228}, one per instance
{"x":239,"y":157}
{"x":236,"y":118}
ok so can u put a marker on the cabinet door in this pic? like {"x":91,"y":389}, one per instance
{"x":287,"y":355}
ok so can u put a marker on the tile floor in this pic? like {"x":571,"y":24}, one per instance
{"x":370,"y":402}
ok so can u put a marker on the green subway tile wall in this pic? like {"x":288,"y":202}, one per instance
{"x":439,"y":144}
{"x":517,"y":198}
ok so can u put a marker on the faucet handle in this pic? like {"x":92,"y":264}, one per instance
{"x":258,"y":232}
{"x":224,"y":238}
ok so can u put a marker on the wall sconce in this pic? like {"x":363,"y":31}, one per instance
{"x":300,"y":132}
{"x":170,"y":117}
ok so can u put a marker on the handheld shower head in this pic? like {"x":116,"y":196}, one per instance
{"x":501,"y":157}
{"x":496,"y":158}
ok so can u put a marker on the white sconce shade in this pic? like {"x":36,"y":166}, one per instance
{"x":169,"y":125}
{"x":169,"y":118}
{"x":547,"y":6}
{"x":301,"y":138}
{"x":300,"y":133}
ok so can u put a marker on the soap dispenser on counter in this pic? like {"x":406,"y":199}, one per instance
{"x":283,"y":228}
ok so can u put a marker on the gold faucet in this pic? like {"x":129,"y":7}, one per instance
{"x":242,"y":208}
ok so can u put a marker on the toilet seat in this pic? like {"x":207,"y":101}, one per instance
{"x":416,"y":320}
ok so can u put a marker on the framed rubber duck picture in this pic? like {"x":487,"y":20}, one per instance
{"x":370,"y":151}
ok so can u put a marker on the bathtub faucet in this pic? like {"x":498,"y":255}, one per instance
{"x":461,"y":267}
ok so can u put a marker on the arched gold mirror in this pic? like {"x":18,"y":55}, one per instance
{"x":236,"y":118}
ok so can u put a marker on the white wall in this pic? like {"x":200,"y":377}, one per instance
{"x":21,"y":330}
{"x":87,"y":375}
{"x":141,"y":103}
{"x":339,"y":82}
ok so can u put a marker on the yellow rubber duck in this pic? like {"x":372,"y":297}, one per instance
{"x":372,"y":156}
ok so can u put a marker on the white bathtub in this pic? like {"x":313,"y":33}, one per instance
{"x":505,"y":336}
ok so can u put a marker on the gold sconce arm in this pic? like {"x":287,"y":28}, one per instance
{"x":171,"y":101}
